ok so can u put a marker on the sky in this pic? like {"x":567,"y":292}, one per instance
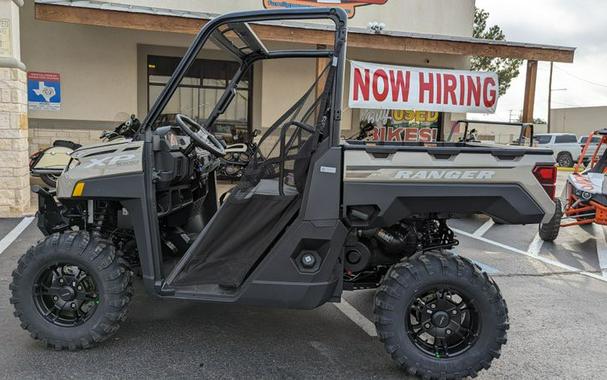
{"x":575,"y":23}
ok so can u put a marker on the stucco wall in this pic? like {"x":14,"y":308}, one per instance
{"x":98,"y":66}
{"x":451,"y":17}
{"x":580,"y":121}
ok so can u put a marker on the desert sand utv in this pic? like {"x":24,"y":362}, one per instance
{"x":312,"y":216}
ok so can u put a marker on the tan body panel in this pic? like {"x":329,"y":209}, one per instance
{"x":103,"y":160}
{"x":420,"y":167}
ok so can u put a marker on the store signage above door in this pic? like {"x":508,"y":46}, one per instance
{"x":377,"y":86}
{"x":348,"y":5}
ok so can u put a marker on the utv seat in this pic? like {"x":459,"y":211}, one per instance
{"x":66,"y":144}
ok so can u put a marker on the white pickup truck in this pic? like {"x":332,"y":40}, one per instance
{"x":592,"y":148}
{"x":565,"y":146}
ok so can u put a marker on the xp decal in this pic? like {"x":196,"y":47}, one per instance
{"x":347,"y":5}
{"x":124,"y":159}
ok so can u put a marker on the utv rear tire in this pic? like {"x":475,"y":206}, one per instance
{"x":69,"y":263}
{"x":425,"y":273}
{"x":49,"y":180}
{"x":550,"y":231}
{"x":565,"y":160}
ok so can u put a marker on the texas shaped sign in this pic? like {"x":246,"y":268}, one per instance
{"x":348,"y":5}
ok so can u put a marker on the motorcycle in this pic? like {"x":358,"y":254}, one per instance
{"x":364,"y":132}
{"x":237,"y":157}
{"x":48,"y":164}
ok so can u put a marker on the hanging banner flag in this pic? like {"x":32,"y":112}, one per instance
{"x":377,"y":86}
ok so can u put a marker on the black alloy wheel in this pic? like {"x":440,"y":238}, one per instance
{"x":65,"y":295}
{"x":442,"y":322}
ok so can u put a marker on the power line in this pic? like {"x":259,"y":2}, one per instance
{"x":566,"y":104}
{"x":582,"y":79}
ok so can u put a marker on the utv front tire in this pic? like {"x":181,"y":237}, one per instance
{"x":550,"y":231}
{"x":440,"y":317}
{"x":49,"y":179}
{"x":71,"y":291}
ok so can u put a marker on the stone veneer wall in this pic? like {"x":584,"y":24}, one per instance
{"x":14,"y":175}
{"x":41,"y":138}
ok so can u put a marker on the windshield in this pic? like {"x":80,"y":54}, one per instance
{"x":201,"y":88}
{"x":486,"y":132}
{"x":595,"y":140}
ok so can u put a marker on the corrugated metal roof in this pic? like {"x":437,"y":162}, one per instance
{"x":107,"y":5}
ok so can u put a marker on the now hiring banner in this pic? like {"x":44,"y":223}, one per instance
{"x":378,"y":86}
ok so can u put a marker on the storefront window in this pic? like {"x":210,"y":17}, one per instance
{"x":402,"y":125}
{"x":199,"y":92}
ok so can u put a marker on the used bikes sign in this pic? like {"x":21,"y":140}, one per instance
{"x":377,"y":86}
{"x":348,"y":5}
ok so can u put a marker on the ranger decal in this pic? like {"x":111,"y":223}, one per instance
{"x":444,"y":174}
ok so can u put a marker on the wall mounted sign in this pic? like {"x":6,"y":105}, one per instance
{"x":348,"y":5}
{"x":6,"y":49}
{"x":377,"y":86}
{"x":43,"y":91}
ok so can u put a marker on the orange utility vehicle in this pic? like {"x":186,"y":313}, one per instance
{"x":585,"y":195}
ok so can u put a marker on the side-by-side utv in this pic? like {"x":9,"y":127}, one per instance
{"x":584,"y":200}
{"x":312,"y":216}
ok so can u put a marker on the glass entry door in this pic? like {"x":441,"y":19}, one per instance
{"x":199,"y":91}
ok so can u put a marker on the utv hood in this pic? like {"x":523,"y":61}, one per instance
{"x":103,"y":160}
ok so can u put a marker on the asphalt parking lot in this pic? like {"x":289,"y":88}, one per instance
{"x":555,"y":293}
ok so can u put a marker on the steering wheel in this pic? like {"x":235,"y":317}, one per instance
{"x":200,"y":136}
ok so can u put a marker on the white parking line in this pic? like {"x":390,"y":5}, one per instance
{"x":14,"y":234}
{"x":536,"y":245}
{"x":356,"y":317}
{"x":539,"y":258}
{"x":484,"y":228}
{"x":486,"y":268}
{"x":601,"y":248}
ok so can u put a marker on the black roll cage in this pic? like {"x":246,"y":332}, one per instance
{"x":237,"y":22}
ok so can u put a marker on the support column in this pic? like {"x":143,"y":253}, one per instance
{"x":530,"y":83}
{"x":14,"y":160}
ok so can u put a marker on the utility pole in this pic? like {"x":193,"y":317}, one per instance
{"x":550,"y":96}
